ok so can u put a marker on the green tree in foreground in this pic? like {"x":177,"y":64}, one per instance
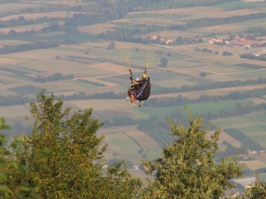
{"x":256,"y":190}
{"x":187,"y":168}
{"x":63,"y":158}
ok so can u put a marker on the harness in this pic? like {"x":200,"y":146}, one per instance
{"x":144,"y":92}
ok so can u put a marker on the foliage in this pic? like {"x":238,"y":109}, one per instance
{"x":256,"y":190}
{"x":111,"y":46}
{"x":204,"y":50}
{"x":202,"y":74}
{"x":180,"y":40}
{"x":257,"y":31}
{"x":35,"y":45}
{"x":63,"y":158}
{"x":211,"y":21}
{"x":225,"y":53}
{"x":187,"y":168}
{"x":9,"y":165}
{"x":261,"y":57}
{"x":164,"y":62}
{"x":3,"y":124}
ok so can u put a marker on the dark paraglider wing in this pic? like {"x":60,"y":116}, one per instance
{"x":144,"y":92}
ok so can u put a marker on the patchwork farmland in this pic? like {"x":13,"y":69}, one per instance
{"x":52,"y":45}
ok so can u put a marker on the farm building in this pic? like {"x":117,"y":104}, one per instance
{"x":212,"y":41}
{"x":246,"y":43}
{"x":163,"y":40}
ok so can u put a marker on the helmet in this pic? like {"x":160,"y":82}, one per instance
{"x":137,"y":79}
{"x":144,"y":76}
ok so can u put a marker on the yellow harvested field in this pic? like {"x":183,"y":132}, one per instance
{"x":258,"y":100}
{"x":5,"y":92}
{"x":108,"y":84}
{"x":254,"y":164}
{"x":173,"y":34}
{"x":38,"y":54}
{"x":8,"y":61}
{"x":61,"y":14}
{"x":261,"y":157}
{"x":12,"y":42}
{"x":65,"y":2}
{"x":110,"y":67}
{"x":145,"y":141}
{"x":15,"y":6}
{"x":120,"y":23}
{"x":218,"y":28}
{"x":66,"y":88}
{"x":13,"y":111}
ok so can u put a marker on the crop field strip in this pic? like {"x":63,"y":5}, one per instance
{"x":245,"y":140}
{"x":14,"y":111}
{"x":254,"y":164}
{"x":122,"y":143}
{"x":225,"y":137}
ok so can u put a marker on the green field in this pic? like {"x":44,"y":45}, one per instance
{"x":122,"y":143}
{"x":252,"y":126}
{"x":26,"y":90}
{"x":199,"y":108}
{"x":83,"y":84}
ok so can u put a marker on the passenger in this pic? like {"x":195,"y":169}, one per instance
{"x":132,"y":91}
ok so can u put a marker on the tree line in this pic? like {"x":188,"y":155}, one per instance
{"x":257,"y":31}
{"x":22,"y":21}
{"x":6,"y":49}
{"x":53,"y":26}
{"x":261,"y":57}
{"x":203,"y":22}
{"x":63,"y":158}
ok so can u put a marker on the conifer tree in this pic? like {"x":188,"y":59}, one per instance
{"x":187,"y":168}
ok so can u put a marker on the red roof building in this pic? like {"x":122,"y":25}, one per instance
{"x":244,"y":42}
